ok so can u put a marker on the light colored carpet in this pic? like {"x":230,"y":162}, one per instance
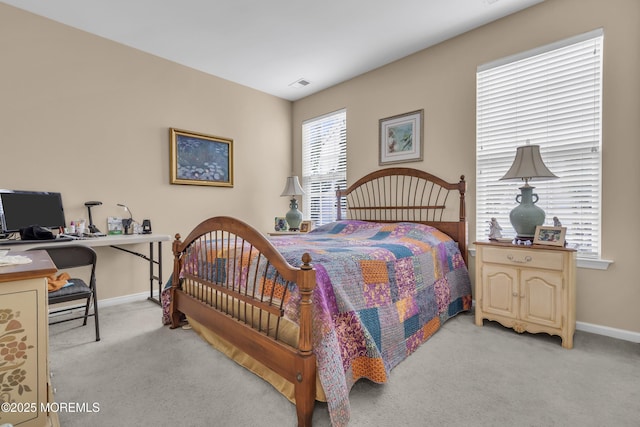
{"x":145,"y":374}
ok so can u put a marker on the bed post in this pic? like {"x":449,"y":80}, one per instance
{"x":175,"y":281}
{"x":462,"y":226}
{"x":305,"y":387}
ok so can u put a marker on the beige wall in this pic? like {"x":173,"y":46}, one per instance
{"x":90,"y":118}
{"x":441,"y":80}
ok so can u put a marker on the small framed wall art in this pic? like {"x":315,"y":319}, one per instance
{"x":199,"y":159}
{"x":401,"y":138}
{"x":553,"y":236}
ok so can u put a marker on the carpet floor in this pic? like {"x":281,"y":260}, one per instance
{"x":144,"y":374}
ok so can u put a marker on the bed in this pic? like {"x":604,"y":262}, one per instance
{"x":315,"y":312}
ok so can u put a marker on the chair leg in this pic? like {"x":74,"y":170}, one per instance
{"x":86,"y":310}
{"x":95,"y":317}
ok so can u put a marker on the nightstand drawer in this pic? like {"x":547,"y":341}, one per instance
{"x":551,"y":260}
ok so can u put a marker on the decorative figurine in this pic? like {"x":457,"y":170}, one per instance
{"x":556,"y":223}
{"x":494,"y":230}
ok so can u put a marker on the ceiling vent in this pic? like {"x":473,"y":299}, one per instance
{"x":300,"y":83}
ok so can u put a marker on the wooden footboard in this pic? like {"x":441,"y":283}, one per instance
{"x":228,"y":277}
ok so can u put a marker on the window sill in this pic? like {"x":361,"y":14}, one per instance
{"x":594,"y":264}
{"x":588,"y":263}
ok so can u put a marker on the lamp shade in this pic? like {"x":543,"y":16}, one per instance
{"x":528,"y":164}
{"x":292,"y":187}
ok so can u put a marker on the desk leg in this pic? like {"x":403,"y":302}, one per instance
{"x":153,"y":277}
{"x":152,"y":261}
{"x":151,"y":258}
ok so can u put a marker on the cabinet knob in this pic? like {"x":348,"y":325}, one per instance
{"x":519,"y":261}
{"x":515,"y":294}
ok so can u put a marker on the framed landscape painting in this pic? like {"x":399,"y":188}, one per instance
{"x":401,"y":138}
{"x":199,"y":159}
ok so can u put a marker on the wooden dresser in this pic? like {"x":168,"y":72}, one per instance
{"x":24,"y":342}
{"x":527,"y":288}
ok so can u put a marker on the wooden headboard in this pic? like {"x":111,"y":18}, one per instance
{"x":406,"y":194}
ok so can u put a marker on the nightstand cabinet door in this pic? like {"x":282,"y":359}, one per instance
{"x":541,"y":297}
{"x":500,"y":290}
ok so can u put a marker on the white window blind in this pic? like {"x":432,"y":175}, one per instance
{"x":324,"y":165}
{"x":551,"y":97}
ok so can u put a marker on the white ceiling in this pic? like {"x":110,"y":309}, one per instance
{"x":270,"y":44}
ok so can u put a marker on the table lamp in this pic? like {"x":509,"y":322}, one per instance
{"x":294,"y":216}
{"x":527,"y":165}
{"x":92,"y":226}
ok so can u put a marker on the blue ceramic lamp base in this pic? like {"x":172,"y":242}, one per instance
{"x":294,"y":216}
{"x":526,"y":216}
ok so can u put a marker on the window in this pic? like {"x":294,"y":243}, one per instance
{"x":324,"y":165}
{"x":551,"y":97}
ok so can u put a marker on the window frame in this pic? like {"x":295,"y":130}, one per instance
{"x":324,"y":165}
{"x":488,"y":176}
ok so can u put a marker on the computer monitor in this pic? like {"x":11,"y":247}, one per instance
{"x":21,"y":209}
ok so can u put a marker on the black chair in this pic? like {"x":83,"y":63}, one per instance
{"x":67,"y":257}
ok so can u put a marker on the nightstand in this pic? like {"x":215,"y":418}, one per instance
{"x":527,"y":288}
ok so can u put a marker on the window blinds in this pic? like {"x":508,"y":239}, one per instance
{"x":551,"y":97}
{"x":324,"y":165}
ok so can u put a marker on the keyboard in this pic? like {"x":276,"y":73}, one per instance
{"x":59,"y":238}
{"x":22,"y":242}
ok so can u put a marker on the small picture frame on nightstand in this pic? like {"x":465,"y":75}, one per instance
{"x":280,"y":224}
{"x":553,"y":236}
{"x":305,"y":226}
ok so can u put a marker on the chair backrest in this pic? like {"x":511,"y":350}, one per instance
{"x":70,"y":256}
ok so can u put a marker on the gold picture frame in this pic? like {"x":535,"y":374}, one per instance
{"x":305,"y":226}
{"x":199,"y":159}
{"x":401,"y":138}
{"x":554,"y":236}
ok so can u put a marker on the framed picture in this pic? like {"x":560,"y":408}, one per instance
{"x":199,"y":159}
{"x":401,"y":138}
{"x":281,"y":224}
{"x":550,"y":235}
{"x":305,"y":226}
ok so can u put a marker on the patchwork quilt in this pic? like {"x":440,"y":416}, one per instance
{"x":382,"y":290}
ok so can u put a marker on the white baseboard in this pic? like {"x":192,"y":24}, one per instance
{"x":125,"y":299}
{"x":108,"y":302}
{"x":620,"y":334}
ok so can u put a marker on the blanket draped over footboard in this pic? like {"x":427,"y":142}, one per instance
{"x":382,"y":290}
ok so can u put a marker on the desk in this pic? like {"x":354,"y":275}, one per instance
{"x":116,"y":242}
